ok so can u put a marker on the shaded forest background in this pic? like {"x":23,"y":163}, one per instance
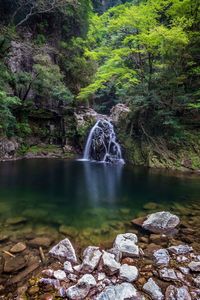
{"x":59,"y":55}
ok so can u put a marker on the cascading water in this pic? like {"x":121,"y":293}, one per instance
{"x":102,"y":145}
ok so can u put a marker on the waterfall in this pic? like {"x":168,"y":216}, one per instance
{"x":102,"y":145}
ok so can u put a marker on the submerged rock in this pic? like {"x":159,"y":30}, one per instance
{"x":161,"y":222}
{"x":64,"y":251}
{"x":128,"y":273}
{"x":161,"y":257}
{"x":82,"y":288}
{"x":91,"y":258}
{"x":110,"y":265}
{"x":123,"y":291}
{"x":173,"y":293}
{"x":153,"y":290}
{"x":19,"y":247}
{"x":13,"y":264}
{"x":125,"y":243}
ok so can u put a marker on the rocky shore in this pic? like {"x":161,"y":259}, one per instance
{"x":153,"y":264}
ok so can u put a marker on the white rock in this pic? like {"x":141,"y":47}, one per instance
{"x":161,"y":222}
{"x":59,"y":274}
{"x":196,"y":281}
{"x":117,"y":253}
{"x":194,"y":266}
{"x":180,"y":249}
{"x":82,"y":288}
{"x":125,"y":243}
{"x":128,"y":273}
{"x":184,"y":270}
{"x":48,"y":281}
{"x":109,"y":263}
{"x":72,"y":277}
{"x":77,"y":268}
{"x":48,"y":272}
{"x":91,"y":258}
{"x":161,"y":257}
{"x":123,"y":291}
{"x":175,"y":293}
{"x":64,"y":251}
{"x":182,"y":258}
{"x":101,"y":276}
{"x":168,"y":274}
{"x":68,"y":267}
{"x":153,"y":290}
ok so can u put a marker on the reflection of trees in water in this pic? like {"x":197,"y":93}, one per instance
{"x":102,"y":182}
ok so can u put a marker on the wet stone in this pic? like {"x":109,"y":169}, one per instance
{"x":125,"y":243}
{"x":19,"y":247}
{"x":16,"y":220}
{"x":173,"y":293}
{"x":64,"y":251}
{"x":161,"y":222}
{"x":40,"y":242}
{"x":13,"y":264}
{"x":151,"y":288}
{"x":161,"y":257}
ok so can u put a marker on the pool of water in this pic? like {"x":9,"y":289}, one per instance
{"x":85,"y":194}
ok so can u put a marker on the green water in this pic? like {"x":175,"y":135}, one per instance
{"x":84,"y":194}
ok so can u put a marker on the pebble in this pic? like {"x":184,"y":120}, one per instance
{"x":153,"y":290}
{"x":194,"y":266}
{"x":161,"y":257}
{"x":19,"y":247}
{"x":59,"y":274}
{"x":128,"y":273}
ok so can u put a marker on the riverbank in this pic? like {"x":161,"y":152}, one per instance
{"x":24,"y":254}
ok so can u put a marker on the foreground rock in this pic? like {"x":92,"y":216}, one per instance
{"x":126,"y":244}
{"x":64,"y":251}
{"x":161,"y":222}
{"x":153,"y":290}
{"x":82,"y":288}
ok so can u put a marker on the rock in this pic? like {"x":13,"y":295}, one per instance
{"x":151,"y":206}
{"x":128,"y":273}
{"x":123,"y":291}
{"x":72,"y":277}
{"x":125,"y":243}
{"x":180,"y":249}
{"x":153,"y":290}
{"x":13,"y":264}
{"x":138,"y":221}
{"x":117,"y":253}
{"x":59,"y":274}
{"x":68,"y":231}
{"x":40,"y":242}
{"x":19,"y":247}
{"x":173,"y":293}
{"x":68,"y":267}
{"x":91,"y":258}
{"x":110,"y":265}
{"x":46,"y":297}
{"x":161,"y":257}
{"x":33,"y":290}
{"x":196,"y":281}
{"x":82,"y":288}
{"x":182,"y":258}
{"x":184,"y":270}
{"x":24,"y":273}
{"x":77,"y":268}
{"x":194,"y":266}
{"x":168,"y":274}
{"x":16,"y":220}
{"x":64,"y":251}
{"x":101,"y":276}
{"x":119,"y":112}
{"x":161,"y":222}
{"x":48,"y":272}
{"x":55,"y":283}
{"x":8,"y":148}
{"x":159,"y":239}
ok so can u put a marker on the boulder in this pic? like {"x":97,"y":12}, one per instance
{"x":128,"y":273}
{"x":161,"y":257}
{"x":123,"y":291}
{"x":125,"y":243}
{"x":64,"y":251}
{"x":161,"y":222}
{"x":82,"y":288}
{"x":91,"y":258}
{"x":151,"y":288}
{"x":110,"y":265}
{"x":173,"y":293}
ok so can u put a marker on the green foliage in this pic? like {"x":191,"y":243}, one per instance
{"x":147,"y":52}
{"x":7,"y":119}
